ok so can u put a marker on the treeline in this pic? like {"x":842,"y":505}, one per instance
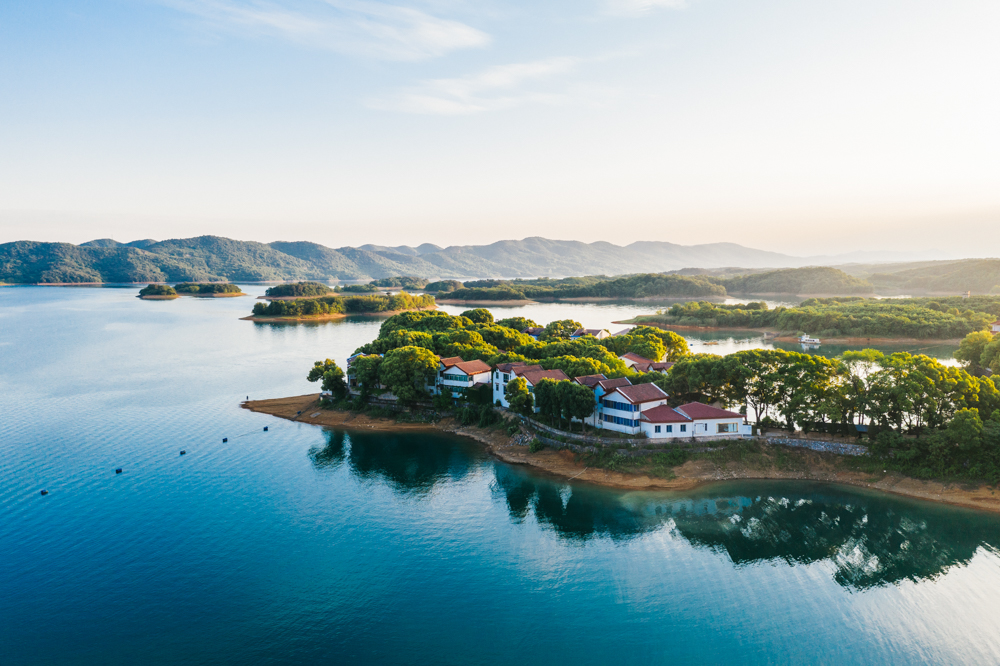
{"x":650,"y":285}
{"x":978,"y":275}
{"x":401,"y":282}
{"x":812,"y":280}
{"x":326,"y":305}
{"x":157,"y":290}
{"x":934,"y":420}
{"x":829,"y":317}
{"x":298,"y":290}
{"x":207,"y":288}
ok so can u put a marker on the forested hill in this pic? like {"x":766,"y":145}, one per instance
{"x":803,"y":281}
{"x":215,"y":258}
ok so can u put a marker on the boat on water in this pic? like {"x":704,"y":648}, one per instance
{"x":806,"y":340}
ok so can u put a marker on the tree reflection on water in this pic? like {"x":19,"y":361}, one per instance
{"x":870,"y":539}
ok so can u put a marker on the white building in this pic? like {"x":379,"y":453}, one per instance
{"x":692,"y":421}
{"x":532,"y":374}
{"x":621,"y":408}
{"x":996,"y":326}
{"x":459,"y":376}
{"x":533,"y":331}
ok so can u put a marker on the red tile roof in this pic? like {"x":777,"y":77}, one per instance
{"x":608,"y":384}
{"x":521,"y":369}
{"x":586,"y":331}
{"x":474,"y":367}
{"x":641,"y":393}
{"x":451,"y":360}
{"x":650,"y":367}
{"x":663,"y":414}
{"x":535,"y":376}
{"x":697,"y":410}
{"x":508,"y":367}
{"x":590,"y":381}
{"x":533,"y":330}
{"x":635,"y":357}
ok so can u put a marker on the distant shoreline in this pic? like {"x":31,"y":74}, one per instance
{"x":789,"y":338}
{"x":326,"y":317}
{"x":694,"y":473}
{"x":160,"y":297}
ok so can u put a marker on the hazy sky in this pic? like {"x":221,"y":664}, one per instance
{"x":793,"y":125}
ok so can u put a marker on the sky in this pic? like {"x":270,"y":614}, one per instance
{"x":797,"y":126}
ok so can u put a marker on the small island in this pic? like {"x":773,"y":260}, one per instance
{"x":297,"y":290}
{"x":638,"y":410}
{"x":324,"y":308}
{"x":158,"y":292}
{"x":208,"y":289}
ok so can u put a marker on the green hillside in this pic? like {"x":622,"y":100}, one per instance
{"x":811,"y":280}
{"x":980,"y":276}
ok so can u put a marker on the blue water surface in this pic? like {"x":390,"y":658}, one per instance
{"x":300,"y":545}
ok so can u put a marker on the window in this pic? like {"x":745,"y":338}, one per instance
{"x":496,"y":387}
{"x":506,"y":377}
{"x":620,"y":406}
{"x":684,"y":427}
{"x":670,"y":428}
{"x":656,"y":428}
{"x":727,"y":427}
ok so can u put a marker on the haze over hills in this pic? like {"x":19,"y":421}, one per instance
{"x":212,"y":258}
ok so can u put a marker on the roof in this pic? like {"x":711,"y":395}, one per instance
{"x":697,"y":410}
{"x":521,"y":369}
{"x":642,"y":393}
{"x":473,"y":367}
{"x":590,"y":381}
{"x":586,"y":331}
{"x":664,"y":414}
{"x":651,"y":367}
{"x":535,"y":376}
{"x":635,"y":357}
{"x":608,"y":384}
{"x":624,"y":331}
{"x":533,"y":330}
{"x":450,"y":361}
{"x":507,"y":367}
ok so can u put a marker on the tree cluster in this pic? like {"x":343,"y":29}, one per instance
{"x":342,"y":305}
{"x":207,"y":288}
{"x":298,"y":289}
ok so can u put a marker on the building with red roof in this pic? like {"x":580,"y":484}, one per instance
{"x":459,"y":376}
{"x":621,"y":408}
{"x":694,"y":420}
{"x":996,"y":326}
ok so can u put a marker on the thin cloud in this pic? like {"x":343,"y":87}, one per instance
{"x":500,"y":87}
{"x":639,"y":7}
{"x":356,"y":27}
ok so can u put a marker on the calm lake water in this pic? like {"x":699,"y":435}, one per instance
{"x":307,"y":546}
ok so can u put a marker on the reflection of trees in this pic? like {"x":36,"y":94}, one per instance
{"x":408,"y":462}
{"x":871,"y":540}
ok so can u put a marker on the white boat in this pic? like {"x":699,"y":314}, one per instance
{"x":806,"y":340}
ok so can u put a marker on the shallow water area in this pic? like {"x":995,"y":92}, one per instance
{"x":309,"y":546}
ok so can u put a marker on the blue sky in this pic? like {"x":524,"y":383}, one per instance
{"x":797,"y":126}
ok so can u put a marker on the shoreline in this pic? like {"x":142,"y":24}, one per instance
{"x":820,"y":467}
{"x":159,"y":298}
{"x":213,"y":295}
{"x":458,"y":301}
{"x":327,"y":317}
{"x":790,"y":338}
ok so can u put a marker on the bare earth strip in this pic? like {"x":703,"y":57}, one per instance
{"x":810,"y":465}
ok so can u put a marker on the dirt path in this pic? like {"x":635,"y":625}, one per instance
{"x":809,"y":465}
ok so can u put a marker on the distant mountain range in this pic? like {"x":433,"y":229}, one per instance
{"x":212,"y":258}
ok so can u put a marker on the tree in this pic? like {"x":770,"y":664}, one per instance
{"x":407,"y":371}
{"x":970,"y":351}
{"x":547,"y":399}
{"x":991,"y":356}
{"x":518,"y":397}
{"x":576,"y":402}
{"x":676,"y":346}
{"x":366,"y":373}
{"x":479,"y":316}
{"x":517,"y":323}
{"x":332,"y":376}
{"x":562,"y":328}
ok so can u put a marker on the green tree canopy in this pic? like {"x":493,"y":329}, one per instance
{"x":479,"y":316}
{"x":407,"y":371}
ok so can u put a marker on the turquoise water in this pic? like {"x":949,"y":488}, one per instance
{"x":305,"y":546}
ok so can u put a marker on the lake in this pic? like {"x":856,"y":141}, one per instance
{"x":300,"y":545}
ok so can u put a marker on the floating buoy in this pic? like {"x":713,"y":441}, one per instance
{"x":118,"y":471}
{"x":298,"y":412}
{"x":265,"y":428}
{"x":45,"y":492}
{"x":225,"y":439}
{"x":183,"y":452}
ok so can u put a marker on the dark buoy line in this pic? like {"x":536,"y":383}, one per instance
{"x":118,"y":471}
{"x":45,"y":492}
{"x":183,"y":452}
{"x":225,"y":439}
{"x":265,"y":428}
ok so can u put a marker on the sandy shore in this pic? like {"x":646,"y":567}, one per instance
{"x":159,"y":298}
{"x":213,"y":295}
{"x":813,"y":465}
{"x":789,"y":338}
{"x":454,"y":301}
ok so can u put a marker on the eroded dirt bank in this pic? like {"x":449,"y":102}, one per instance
{"x":807,"y":465}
